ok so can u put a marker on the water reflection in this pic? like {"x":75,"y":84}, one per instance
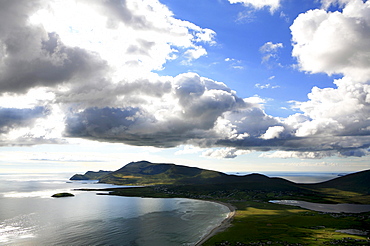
{"x":28,"y":216}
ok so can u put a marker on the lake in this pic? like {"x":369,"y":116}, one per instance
{"x":29,"y":216}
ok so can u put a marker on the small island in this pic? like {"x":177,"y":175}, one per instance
{"x":63,"y":194}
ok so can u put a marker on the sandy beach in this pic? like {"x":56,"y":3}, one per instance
{"x":223,"y":226}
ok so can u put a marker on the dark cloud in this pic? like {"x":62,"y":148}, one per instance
{"x":52,"y":64}
{"x":11,"y":118}
{"x":129,"y":125}
{"x":161,"y":113}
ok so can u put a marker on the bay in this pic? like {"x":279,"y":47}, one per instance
{"x":29,"y":216}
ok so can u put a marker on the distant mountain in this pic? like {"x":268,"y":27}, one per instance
{"x":90,"y":175}
{"x":147,"y":173}
{"x":355,"y":182}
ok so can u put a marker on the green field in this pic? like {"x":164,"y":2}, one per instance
{"x":273,"y":224}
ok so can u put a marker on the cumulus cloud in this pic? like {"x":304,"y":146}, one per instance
{"x":273,"y":132}
{"x":21,"y":126}
{"x":95,"y":79}
{"x":103,"y":64}
{"x":11,"y":118}
{"x":32,"y":57}
{"x":334,"y":42}
{"x":188,"y":110}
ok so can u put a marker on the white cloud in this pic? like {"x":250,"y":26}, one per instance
{"x":193,"y":54}
{"x":234,"y":63}
{"x":269,"y":51}
{"x":270,"y":47}
{"x":273,"y":132}
{"x":224,"y":153}
{"x":266,"y":86}
{"x":334,"y":42}
{"x":273,"y":5}
{"x":93,"y":79}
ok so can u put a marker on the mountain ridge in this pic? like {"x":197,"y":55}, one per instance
{"x":145,"y":173}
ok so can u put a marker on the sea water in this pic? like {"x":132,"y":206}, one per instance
{"x":29,"y":216}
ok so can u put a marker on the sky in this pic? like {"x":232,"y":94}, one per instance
{"x":227,"y":85}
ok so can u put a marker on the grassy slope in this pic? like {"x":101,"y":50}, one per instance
{"x":286,"y":225}
{"x":90,"y":175}
{"x":146,"y":173}
{"x":352,"y":188}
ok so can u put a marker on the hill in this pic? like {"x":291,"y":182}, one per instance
{"x":147,"y":173}
{"x":90,"y":175}
{"x":191,"y":179}
{"x":144,"y":173}
{"x":354,"y":182}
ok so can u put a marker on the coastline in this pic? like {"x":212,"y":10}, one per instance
{"x":226,"y":223}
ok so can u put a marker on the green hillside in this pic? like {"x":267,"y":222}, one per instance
{"x":90,"y":175}
{"x":147,"y":173}
{"x":355,"y":182}
{"x":350,"y":188}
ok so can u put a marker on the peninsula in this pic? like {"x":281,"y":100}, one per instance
{"x":256,"y":221}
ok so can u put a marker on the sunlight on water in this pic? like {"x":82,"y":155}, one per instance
{"x":20,"y":227}
{"x":27,"y":218}
{"x":40,"y":194}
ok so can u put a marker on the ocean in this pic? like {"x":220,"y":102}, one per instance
{"x":29,"y":216}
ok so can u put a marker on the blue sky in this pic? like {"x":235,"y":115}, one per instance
{"x":229,"y":85}
{"x":237,"y":59}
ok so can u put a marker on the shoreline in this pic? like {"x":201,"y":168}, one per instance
{"x":226,"y":223}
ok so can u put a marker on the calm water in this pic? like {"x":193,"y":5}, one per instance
{"x":29,"y":216}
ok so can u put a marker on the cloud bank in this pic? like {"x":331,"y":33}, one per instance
{"x":96,"y":79}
